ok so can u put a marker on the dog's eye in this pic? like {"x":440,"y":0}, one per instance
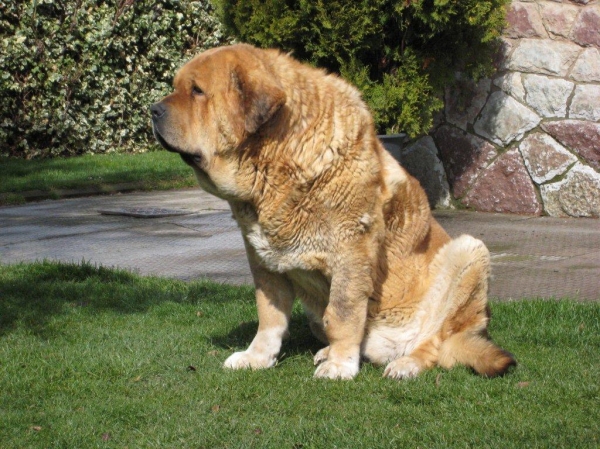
{"x":197,"y":91}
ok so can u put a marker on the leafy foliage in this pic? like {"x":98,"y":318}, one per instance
{"x":400,"y":53}
{"x":78,"y":76}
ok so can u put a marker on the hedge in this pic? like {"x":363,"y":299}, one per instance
{"x":400,"y":53}
{"x":79,"y":75}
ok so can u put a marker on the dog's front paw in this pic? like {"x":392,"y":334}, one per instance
{"x":247,"y":359}
{"x":321,"y":356}
{"x":337,"y":370}
{"x":402,"y":368}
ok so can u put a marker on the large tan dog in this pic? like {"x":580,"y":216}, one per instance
{"x":329,"y":217}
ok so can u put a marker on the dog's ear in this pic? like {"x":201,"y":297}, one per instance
{"x":261,"y":96}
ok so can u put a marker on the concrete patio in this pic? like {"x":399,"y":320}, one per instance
{"x":531,"y":256}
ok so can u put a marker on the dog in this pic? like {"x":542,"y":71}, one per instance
{"x":328,"y":216}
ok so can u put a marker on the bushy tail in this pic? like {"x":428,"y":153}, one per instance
{"x":477,"y":352}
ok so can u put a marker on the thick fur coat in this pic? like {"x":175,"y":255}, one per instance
{"x":329,"y":217}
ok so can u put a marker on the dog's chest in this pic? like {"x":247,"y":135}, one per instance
{"x":278,"y":252}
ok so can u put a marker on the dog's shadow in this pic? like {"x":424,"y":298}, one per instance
{"x":300,"y":341}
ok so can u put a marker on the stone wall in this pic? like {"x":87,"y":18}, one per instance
{"x":526,"y":141}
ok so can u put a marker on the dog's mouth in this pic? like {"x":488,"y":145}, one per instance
{"x":163,"y":142}
{"x":193,"y":160}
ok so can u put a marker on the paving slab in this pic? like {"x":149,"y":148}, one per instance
{"x":189,"y":234}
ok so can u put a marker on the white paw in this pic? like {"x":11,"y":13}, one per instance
{"x":246,"y":359}
{"x":321,"y":356}
{"x":336,"y":370}
{"x":402,"y":368}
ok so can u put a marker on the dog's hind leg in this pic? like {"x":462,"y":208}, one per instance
{"x":424,"y":357}
{"x":454,"y":329}
{"x":464,"y":333}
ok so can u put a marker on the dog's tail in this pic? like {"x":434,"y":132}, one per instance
{"x":476,"y":351}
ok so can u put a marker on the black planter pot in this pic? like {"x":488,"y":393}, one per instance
{"x":394,"y":143}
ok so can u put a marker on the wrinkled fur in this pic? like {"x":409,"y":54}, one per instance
{"x":329,"y":217}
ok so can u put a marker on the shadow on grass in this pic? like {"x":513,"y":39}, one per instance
{"x":30,"y":294}
{"x":300,"y":340}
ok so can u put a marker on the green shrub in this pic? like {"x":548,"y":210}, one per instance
{"x":401,"y":53}
{"x":78,"y":76}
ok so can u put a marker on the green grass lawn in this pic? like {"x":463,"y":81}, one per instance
{"x":157,"y":170}
{"x":92,"y":357}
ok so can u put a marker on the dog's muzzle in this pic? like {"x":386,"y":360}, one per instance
{"x":158,"y":111}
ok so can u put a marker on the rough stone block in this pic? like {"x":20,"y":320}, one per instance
{"x":505,"y":186}
{"x":420,"y":159}
{"x":502,"y":55}
{"x":544,"y":157}
{"x":585,"y":103}
{"x":524,"y":20}
{"x":577,"y":195}
{"x":579,"y":136}
{"x":558,"y":18}
{"x":586,"y":30}
{"x":547,"y":96}
{"x":587,"y":66}
{"x":464,"y":102}
{"x":512,"y":84}
{"x":543,"y":56}
{"x":464,"y":156}
{"x":504,"y":119}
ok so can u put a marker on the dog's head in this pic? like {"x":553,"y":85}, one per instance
{"x":221,"y":98}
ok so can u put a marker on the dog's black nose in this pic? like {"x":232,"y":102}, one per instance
{"x":158,"y":110}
